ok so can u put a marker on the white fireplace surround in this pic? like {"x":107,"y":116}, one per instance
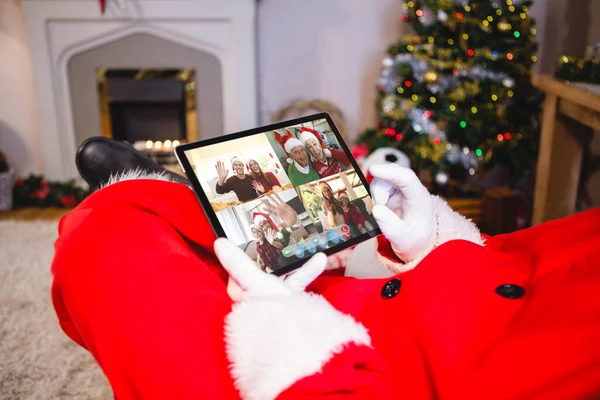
{"x":60,"y":29}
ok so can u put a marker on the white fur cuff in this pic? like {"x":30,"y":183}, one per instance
{"x":450,"y":225}
{"x":274,"y":341}
{"x":137,"y":173}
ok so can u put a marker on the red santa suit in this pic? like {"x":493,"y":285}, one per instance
{"x":137,"y":283}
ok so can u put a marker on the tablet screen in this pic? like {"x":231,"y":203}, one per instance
{"x":283,"y":192}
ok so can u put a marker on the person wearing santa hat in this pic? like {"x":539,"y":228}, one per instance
{"x":279,"y":238}
{"x":352,"y":215}
{"x":265,"y":181}
{"x":459,"y":315}
{"x":242,"y":184}
{"x":326,"y":161}
{"x":301,"y":170}
{"x":268,"y":254}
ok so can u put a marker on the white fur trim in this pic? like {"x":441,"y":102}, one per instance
{"x":327,"y":153}
{"x":450,"y":225}
{"x":259,"y":218}
{"x":306,"y":135}
{"x":274,"y":341}
{"x":364,"y":263}
{"x":291,"y":143}
{"x":137,"y":173}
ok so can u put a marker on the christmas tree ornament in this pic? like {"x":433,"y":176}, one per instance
{"x":508,"y":82}
{"x":442,"y":16}
{"x":503,"y":25}
{"x":426,"y":16}
{"x":431,"y":76}
{"x":441,"y":178}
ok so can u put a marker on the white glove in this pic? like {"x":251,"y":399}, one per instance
{"x":404,"y":210}
{"x":246,"y":279}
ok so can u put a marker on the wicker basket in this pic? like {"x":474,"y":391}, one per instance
{"x":6,"y":190}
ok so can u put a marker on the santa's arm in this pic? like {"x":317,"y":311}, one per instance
{"x":297,"y":347}
{"x":413,"y":221}
{"x":449,"y":225}
{"x":284,"y":343}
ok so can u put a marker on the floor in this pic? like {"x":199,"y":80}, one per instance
{"x":33,"y":213}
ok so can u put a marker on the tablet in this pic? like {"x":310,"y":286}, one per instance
{"x":282,"y":192}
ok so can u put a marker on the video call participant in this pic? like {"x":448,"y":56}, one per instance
{"x":242,"y":184}
{"x":352,"y":215}
{"x":325,"y":161}
{"x":334,"y":216}
{"x":279,"y":238}
{"x":265,"y":181}
{"x":301,"y":170}
{"x":268,"y":254}
{"x":331,"y":206}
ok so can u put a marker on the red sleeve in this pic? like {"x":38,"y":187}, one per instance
{"x":136,"y":284}
{"x":320,"y":353}
{"x":273,"y":179}
{"x":356,"y":373}
{"x":340,"y":157}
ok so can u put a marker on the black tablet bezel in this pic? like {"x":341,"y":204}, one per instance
{"x":212,"y":215}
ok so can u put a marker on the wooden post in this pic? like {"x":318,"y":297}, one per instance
{"x":559,"y":164}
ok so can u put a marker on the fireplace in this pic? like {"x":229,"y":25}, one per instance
{"x":153,"y":109}
{"x":150,"y":72}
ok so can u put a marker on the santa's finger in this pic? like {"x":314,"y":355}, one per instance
{"x":314,"y":267}
{"x":234,"y":290}
{"x":381,"y":191}
{"x":403,"y":179}
{"x":393,"y":227}
{"x":240,"y":266}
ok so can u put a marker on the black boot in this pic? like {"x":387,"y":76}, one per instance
{"x":99,"y":158}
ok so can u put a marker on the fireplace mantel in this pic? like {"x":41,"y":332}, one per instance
{"x":61,"y":29}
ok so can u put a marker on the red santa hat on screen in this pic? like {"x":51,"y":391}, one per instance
{"x":288,"y":142}
{"x":342,"y":193}
{"x":308,"y":133}
{"x":259,"y":217}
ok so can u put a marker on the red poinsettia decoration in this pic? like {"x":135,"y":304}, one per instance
{"x":42,"y":192}
{"x":68,"y":201}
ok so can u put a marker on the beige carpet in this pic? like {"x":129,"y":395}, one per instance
{"x":37,"y":360}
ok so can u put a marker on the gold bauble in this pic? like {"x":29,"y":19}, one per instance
{"x":431,"y":76}
{"x":503,"y":25}
{"x":457,"y":95}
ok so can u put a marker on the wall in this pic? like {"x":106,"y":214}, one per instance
{"x":330,"y":49}
{"x":19,"y":138}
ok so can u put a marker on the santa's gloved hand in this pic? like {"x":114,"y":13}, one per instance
{"x":404,"y":210}
{"x":246,"y":279}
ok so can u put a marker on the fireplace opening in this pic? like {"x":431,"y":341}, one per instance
{"x":153,"y":109}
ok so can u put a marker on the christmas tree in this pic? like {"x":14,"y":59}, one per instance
{"x":456,"y":96}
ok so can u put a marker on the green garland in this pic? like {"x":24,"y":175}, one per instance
{"x":586,"y":70}
{"x":35,"y":191}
